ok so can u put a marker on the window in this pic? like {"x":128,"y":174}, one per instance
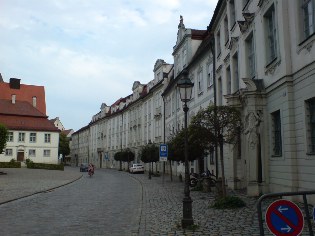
{"x":311,"y":125}
{"x":228,"y":81}
{"x":47,"y":138}
{"x":235,"y":73}
{"x":34,"y":101}
{"x":21,"y":137}
{"x":277,"y":140}
{"x":220,"y":94}
{"x":200,"y":80}
{"x":226,"y":30}
{"x":10,"y":137}
{"x":211,"y":156}
{"x":250,"y":56}
{"x":46,"y":153}
{"x":210,"y":75}
{"x":184,"y":57}
{"x":8,"y":152}
{"x":193,"y":89}
{"x":271,"y":34}
{"x":32,"y":137}
{"x":32,"y":152}
{"x":218,"y":38}
{"x":308,"y":8}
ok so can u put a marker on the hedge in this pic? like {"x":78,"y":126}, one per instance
{"x":32,"y":165}
{"x":10,"y":164}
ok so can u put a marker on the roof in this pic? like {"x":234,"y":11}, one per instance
{"x":20,"y":108}
{"x":202,"y":49}
{"x":25,"y":93}
{"x":13,"y":122}
{"x":23,"y":116}
{"x":198,"y":34}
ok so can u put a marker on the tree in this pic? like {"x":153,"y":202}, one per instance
{"x":221,"y":124}
{"x":150,"y":153}
{"x":64,"y":148}
{"x":197,"y":146}
{"x":127,"y":156}
{"x":3,"y":137}
{"x":118,"y":157}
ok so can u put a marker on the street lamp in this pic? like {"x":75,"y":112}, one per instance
{"x":185,"y":90}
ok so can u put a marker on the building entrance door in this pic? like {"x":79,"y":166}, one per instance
{"x":20,"y":156}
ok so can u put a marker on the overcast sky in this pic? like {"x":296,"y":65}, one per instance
{"x":89,"y":52}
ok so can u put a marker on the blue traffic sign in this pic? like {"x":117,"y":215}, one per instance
{"x":163,"y":152}
{"x":314,"y":213}
{"x":284,"y":217}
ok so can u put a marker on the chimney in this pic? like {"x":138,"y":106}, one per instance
{"x":13,"y":98}
{"x":14,"y":83}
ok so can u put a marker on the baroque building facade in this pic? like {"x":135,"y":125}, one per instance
{"x":256,"y":55}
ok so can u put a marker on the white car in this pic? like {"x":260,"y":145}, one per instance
{"x":136,"y":168}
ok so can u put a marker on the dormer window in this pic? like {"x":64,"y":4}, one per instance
{"x":13,"y":98}
{"x":34,"y":101}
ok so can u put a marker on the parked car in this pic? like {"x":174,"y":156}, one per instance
{"x":84,"y":167}
{"x":136,"y":168}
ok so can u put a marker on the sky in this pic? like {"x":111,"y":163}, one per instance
{"x":89,"y":52}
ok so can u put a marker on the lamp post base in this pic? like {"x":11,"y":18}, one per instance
{"x":187,"y":212}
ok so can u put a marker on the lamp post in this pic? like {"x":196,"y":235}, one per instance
{"x":185,"y":90}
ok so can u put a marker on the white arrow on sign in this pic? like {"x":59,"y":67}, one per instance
{"x":282,"y":209}
{"x":288,"y":229}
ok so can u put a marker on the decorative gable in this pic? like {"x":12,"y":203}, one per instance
{"x":181,"y":30}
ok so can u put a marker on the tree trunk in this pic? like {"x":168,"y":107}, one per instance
{"x":222,"y":168}
{"x":171,"y":172}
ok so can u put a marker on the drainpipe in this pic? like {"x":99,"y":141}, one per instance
{"x":163,"y":136}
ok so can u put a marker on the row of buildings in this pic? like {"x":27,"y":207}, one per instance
{"x":256,"y":55}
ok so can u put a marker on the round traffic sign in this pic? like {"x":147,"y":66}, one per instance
{"x":284,"y":218}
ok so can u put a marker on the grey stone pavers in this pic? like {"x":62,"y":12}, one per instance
{"x":156,"y":205}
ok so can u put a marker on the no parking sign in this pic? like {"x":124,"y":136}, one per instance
{"x":284,"y":218}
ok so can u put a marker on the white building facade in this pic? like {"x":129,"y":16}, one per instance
{"x":40,"y":147}
{"x":256,"y":55}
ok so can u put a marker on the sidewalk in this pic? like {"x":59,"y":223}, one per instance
{"x":23,"y":182}
{"x":162,"y":211}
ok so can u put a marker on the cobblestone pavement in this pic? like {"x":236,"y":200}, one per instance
{"x":162,"y":212}
{"x":106,"y":204}
{"x":125,"y":204}
{"x":21,"y":182}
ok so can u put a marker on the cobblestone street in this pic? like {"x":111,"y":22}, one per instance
{"x":114,"y":203}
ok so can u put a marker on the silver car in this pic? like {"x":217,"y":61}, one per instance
{"x":136,"y":168}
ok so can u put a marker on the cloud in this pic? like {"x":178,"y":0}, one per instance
{"x":89,"y":52}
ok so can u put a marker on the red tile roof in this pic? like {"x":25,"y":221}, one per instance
{"x":25,"y":93}
{"x":23,"y":116}
{"x":20,"y":108}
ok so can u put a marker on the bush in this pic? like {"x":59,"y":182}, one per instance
{"x":32,"y":165}
{"x":11,"y":164}
{"x":229,"y":202}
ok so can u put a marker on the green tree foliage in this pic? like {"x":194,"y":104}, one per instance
{"x":3,"y":137}
{"x":127,"y":156}
{"x":197,"y":145}
{"x":64,"y":148}
{"x":150,"y":153}
{"x":118,"y":157}
{"x":220,"y":124}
